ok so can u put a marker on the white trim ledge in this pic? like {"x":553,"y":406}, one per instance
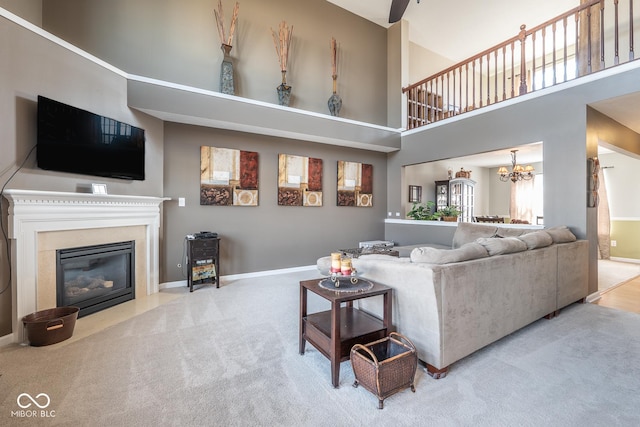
{"x":455,"y":224}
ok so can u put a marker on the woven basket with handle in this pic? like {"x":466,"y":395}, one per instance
{"x":386,"y":366}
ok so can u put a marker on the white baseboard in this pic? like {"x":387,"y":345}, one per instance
{"x":630,"y":260}
{"x":254,"y":274}
{"x":176,"y":284}
{"x":593,"y":297}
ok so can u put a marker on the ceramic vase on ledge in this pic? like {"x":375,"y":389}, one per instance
{"x":284,"y":91}
{"x":226,"y":72}
{"x":335,"y":102}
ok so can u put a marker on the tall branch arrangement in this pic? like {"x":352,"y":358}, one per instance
{"x":334,"y":57}
{"x":282,"y":42}
{"x":220,"y":23}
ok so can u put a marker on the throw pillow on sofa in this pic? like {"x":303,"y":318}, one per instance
{"x":502,"y":245}
{"x":536,"y":239}
{"x":561,"y":234}
{"x":445,"y":256}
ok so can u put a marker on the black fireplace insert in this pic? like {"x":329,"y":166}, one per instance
{"x":96,"y":277}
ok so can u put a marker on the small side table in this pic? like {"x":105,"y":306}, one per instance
{"x":335,"y":331}
{"x":203,"y":257}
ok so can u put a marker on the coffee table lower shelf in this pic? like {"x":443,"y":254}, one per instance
{"x":356,"y":327}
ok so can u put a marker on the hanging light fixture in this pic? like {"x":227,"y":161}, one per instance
{"x":518,"y":172}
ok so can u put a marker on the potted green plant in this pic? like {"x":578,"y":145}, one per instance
{"x":448,"y":213}
{"x":423,"y":211}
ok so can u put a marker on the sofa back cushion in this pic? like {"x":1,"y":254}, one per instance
{"x":445,"y":256}
{"x":561,"y":234}
{"x":468,"y":232}
{"x":511,"y":232}
{"x":536,"y":239}
{"x":502,"y":245}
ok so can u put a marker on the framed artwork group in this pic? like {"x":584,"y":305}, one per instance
{"x":229,"y":177}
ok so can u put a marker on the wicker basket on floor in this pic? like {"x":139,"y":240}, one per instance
{"x":386,"y":366}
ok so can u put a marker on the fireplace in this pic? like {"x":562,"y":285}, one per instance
{"x":41,"y":222}
{"x":95,"y":277}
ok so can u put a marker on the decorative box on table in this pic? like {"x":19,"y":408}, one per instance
{"x":368,"y":250}
{"x":386,"y":366}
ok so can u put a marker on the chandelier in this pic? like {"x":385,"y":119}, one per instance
{"x":518,"y":172}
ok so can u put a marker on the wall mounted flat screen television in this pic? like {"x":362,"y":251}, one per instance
{"x":78,"y":141}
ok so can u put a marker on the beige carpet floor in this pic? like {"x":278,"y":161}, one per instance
{"x":612,"y":273}
{"x":229,"y":357}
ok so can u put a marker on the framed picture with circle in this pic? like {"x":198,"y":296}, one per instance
{"x":228,"y":177}
{"x":299,"y":180}
{"x":355,"y":184}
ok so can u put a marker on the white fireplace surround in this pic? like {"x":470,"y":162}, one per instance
{"x":32,"y":212}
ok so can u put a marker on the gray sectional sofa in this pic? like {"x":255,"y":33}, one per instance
{"x":490,"y":283}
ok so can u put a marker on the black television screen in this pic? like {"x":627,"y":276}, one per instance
{"x":78,"y":141}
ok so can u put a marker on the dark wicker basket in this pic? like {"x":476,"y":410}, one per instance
{"x":386,"y":366}
{"x":50,"y":326}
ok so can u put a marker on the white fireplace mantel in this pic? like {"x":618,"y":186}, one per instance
{"x":32,"y":212}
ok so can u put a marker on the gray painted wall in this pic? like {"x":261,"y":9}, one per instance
{"x":177,"y":41}
{"x":31,"y":10}
{"x":267,"y":236}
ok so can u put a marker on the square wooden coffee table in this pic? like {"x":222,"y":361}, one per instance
{"x":335,"y":331}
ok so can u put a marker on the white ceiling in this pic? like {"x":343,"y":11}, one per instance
{"x":526,"y":154}
{"x":460,"y":29}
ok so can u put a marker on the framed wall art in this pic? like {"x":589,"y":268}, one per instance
{"x":355,"y":184}
{"x":228,"y":177}
{"x":299,"y":181}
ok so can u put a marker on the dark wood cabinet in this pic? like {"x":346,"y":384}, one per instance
{"x":203,"y":262}
{"x":442,"y":194}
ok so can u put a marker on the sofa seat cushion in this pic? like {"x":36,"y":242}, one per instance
{"x":561,"y":234}
{"x":536,"y":239}
{"x":502,"y":245}
{"x":431,"y":255}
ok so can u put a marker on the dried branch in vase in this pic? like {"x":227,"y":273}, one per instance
{"x":219,"y":13}
{"x":282,"y":42}
{"x":334,"y":57}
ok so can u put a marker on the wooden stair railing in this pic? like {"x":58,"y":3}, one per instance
{"x":548,"y":54}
